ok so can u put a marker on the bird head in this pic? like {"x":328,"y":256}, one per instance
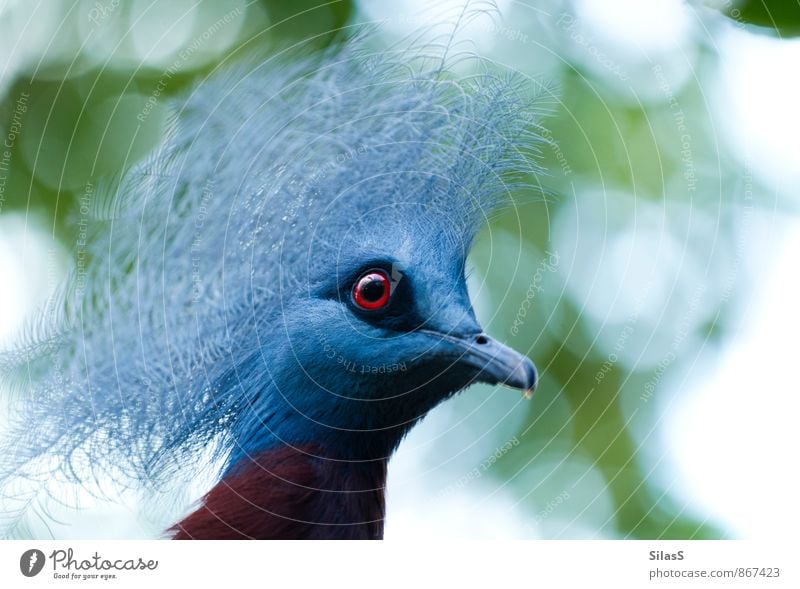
{"x":380,"y":335}
{"x":288,"y":269}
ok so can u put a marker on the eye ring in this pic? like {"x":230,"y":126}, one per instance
{"x":371,"y":291}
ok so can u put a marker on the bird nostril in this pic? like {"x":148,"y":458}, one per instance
{"x":481,"y":339}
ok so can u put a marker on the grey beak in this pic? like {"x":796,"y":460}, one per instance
{"x":496,"y":363}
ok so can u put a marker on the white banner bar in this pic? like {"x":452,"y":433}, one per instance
{"x":233,"y":565}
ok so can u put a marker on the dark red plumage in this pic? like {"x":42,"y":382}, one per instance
{"x":292,"y":493}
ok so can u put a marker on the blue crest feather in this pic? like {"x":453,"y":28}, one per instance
{"x":269,"y":169}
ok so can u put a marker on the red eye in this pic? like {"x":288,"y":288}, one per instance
{"x":371,"y":291}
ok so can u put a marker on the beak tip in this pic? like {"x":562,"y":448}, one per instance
{"x":524,"y":377}
{"x":493,"y":362}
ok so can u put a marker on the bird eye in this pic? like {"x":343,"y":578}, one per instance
{"x":371,"y":291}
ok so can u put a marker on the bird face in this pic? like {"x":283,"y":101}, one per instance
{"x":387,"y":334}
{"x":417,"y":318}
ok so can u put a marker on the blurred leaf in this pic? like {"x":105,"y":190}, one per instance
{"x":782,"y":16}
{"x":315,"y":21}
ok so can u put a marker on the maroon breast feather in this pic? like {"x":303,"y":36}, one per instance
{"x":292,"y":493}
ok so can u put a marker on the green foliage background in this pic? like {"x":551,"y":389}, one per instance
{"x":587,"y":457}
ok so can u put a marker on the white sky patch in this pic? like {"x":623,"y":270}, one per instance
{"x":12,"y":295}
{"x":620,"y":42}
{"x":440,"y":486}
{"x":186,"y":33}
{"x":464,"y":515}
{"x":627,"y":261}
{"x":406,"y":17}
{"x":159,"y":30}
{"x":17,"y":23}
{"x":32,"y":264}
{"x":633,"y":25}
{"x":733,"y":434}
{"x":758,"y":95}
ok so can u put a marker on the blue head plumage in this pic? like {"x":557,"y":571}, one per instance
{"x":288,"y":269}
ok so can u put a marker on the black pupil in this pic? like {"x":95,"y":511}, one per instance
{"x":372,"y":289}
